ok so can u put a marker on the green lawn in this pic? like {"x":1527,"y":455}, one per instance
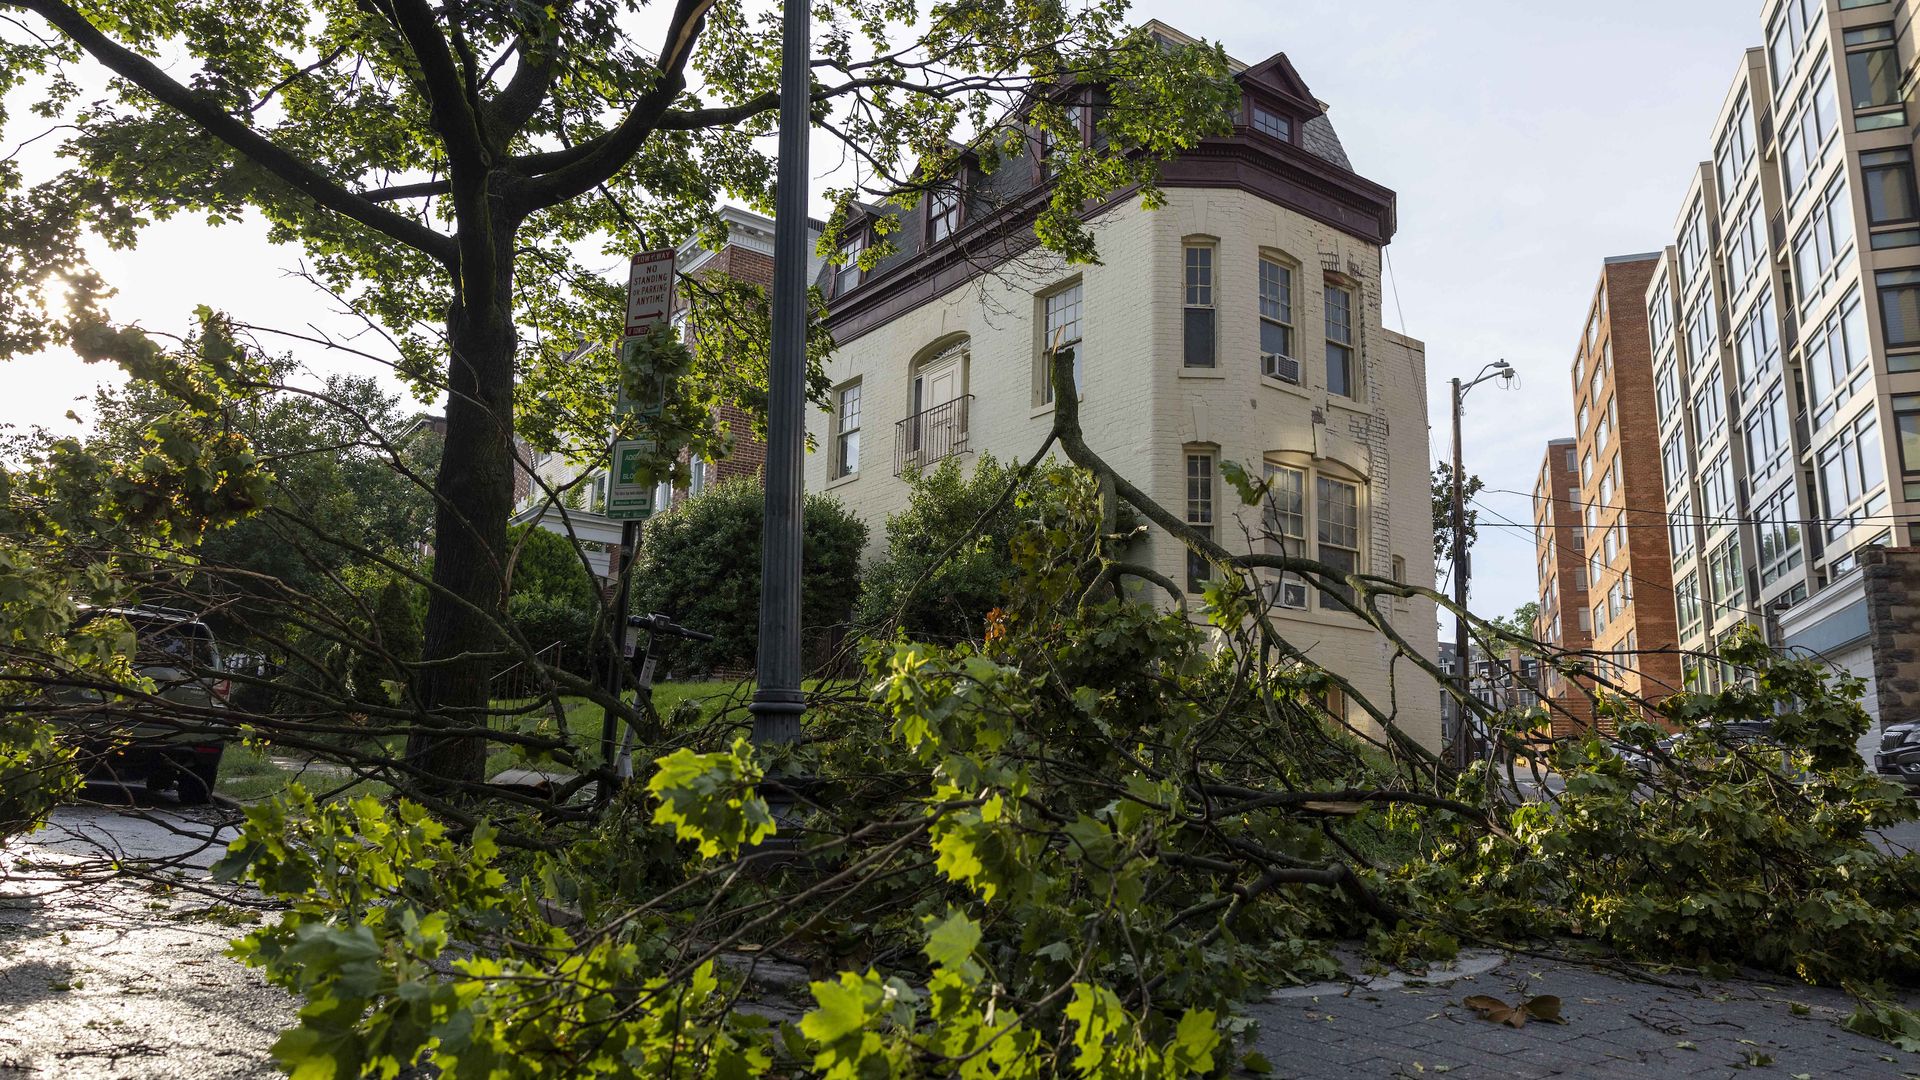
{"x":584,"y":717}
{"x":248,"y":773}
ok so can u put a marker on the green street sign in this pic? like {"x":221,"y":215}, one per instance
{"x":630,"y":490}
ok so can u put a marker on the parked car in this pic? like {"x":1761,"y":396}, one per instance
{"x":1898,"y":758}
{"x":1732,"y":733}
{"x":157,"y":745}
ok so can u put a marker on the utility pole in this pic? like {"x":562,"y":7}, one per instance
{"x":777,"y":699}
{"x":1462,"y":657}
{"x":1502,"y":370}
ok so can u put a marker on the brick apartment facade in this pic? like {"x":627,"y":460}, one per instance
{"x":1621,"y":494}
{"x":746,"y":256}
{"x":1560,"y":554}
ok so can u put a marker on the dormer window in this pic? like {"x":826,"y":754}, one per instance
{"x":1271,"y":123}
{"x":847,"y":274}
{"x":943,"y":213}
{"x":1076,"y":125}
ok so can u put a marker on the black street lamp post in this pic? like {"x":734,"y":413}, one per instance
{"x":777,"y":699}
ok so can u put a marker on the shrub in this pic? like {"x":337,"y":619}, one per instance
{"x":701,"y":565}
{"x":943,"y":511}
{"x":544,"y":620}
{"x":549,"y":567}
{"x":395,"y":633}
{"x":553,"y":598}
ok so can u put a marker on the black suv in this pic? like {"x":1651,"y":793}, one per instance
{"x":1899,"y":755}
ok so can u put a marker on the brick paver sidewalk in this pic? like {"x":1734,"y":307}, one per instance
{"x":1615,"y":1028}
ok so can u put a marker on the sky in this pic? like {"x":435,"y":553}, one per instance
{"x":1526,"y":143}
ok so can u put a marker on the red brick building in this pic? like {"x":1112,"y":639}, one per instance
{"x":1621,"y":493}
{"x":746,"y":256}
{"x":1560,"y":556}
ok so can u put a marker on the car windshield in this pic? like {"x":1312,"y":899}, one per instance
{"x":172,"y":642}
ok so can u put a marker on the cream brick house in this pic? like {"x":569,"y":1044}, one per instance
{"x":1240,"y":321}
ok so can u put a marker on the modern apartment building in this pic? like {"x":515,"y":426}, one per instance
{"x":1565,"y":619}
{"x":1629,"y":585}
{"x":747,"y":256}
{"x":1239,"y":322}
{"x":1785,"y":327}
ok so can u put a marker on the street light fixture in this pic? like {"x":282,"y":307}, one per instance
{"x":1503,"y":371}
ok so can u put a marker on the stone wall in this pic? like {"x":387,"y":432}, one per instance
{"x":1892,"y":579}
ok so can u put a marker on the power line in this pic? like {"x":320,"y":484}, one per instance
{"x":1691,"y":518}
{"x":1706,"y":601}
{"x":1394,"y":280}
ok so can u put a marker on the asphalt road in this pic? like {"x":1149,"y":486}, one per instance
{"x":123,"y":978}
{"x":116,"y":977}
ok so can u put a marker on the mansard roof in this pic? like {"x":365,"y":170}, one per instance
{"x":1309,"y":173}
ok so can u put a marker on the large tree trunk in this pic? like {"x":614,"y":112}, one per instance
{"x":474,"y":496}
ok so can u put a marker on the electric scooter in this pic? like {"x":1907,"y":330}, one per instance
{"x":656,"y":625}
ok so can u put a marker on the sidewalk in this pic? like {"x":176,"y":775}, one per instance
{"x":1615,"y":1028}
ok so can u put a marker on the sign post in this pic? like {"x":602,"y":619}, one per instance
{"x":649,"y":291}
{"x":630,"y":486}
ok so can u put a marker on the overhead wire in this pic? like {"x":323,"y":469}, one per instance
{"x":1692,"y":517}
{"x":1706,"y":601}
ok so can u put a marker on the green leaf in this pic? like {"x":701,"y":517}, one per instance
{"x":710,"y":798}
{"x":951,"y":941}
{"x":841,"y":1008}
{"x":1194,"y":1041}
{"x":1250,"y":490}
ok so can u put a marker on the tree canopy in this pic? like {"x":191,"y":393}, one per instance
{"x":463,"y":174}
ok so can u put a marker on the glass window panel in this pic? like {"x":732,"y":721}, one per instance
{"x":1337,"y":514}
{"x":1199,"y":489}
{"x":1874,"y":76}
{"x":1276,"y":310}
{"x":1199,"y":337}
{"x":1907,"y":427}
{"x":1199,"y":276}
{"x":1339,"y":309}
{"x":1888,"y":178}
{"x":1269,"y":123}
{"x":1900,"y":305}
{"x":1286,"y":502}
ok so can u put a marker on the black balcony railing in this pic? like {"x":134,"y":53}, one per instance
{"x":931,"y":436}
